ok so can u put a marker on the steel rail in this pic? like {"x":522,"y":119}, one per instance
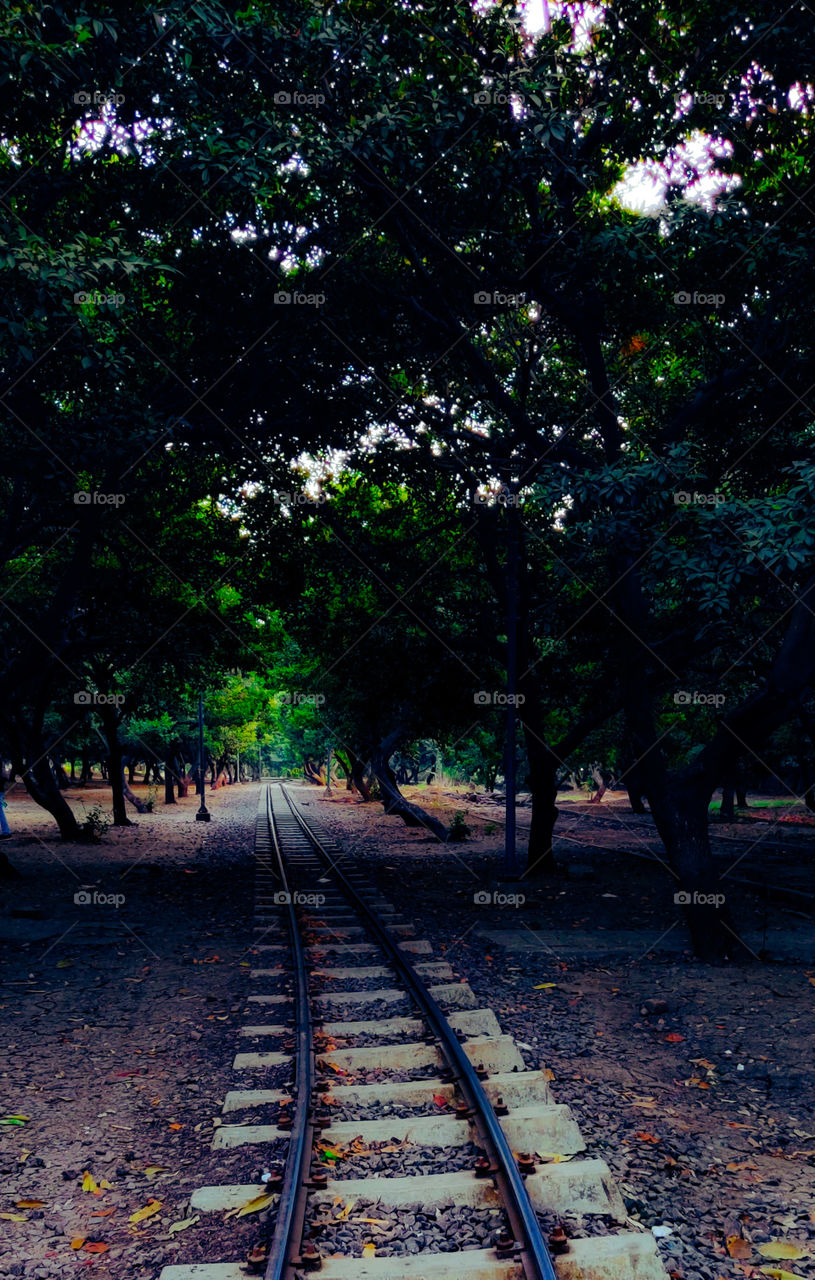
{"x":533,"y":1253}
{"x":291,"y":1209}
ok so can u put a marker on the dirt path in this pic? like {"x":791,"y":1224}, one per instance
{"x":117,"y":1020}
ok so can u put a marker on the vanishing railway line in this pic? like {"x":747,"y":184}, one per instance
{"x":425,"y":1076}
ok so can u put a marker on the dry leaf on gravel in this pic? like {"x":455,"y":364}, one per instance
{"x":738,"y":1247}
{"x":13,"y":1217}
{"x":153,"y":1169}
{"x":183,"y":1224}
{"x":368,"y":1250}
{"x":778,"y":1273}
{"x":30,"y":1204}
{"x":780,"y":1249}
{"x":151,"y":1208}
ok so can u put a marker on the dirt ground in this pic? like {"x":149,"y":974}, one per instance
{"x":120,"y":1025}
{"x":124,"y":972}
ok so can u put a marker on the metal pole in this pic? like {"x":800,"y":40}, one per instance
{"x":511,"y":864}
{"x":203,"y":813}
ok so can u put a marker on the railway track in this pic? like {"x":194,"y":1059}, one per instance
{"x":417,"y":1146}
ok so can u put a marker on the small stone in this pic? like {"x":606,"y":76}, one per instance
{"x":655,"y":1005}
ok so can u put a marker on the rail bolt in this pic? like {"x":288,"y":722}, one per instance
{"x":505,"y":1244}
{"x":558,"y":1240}
{"x":500,"y":1107}
{"x":481,"y":1071}
{"x":310,"y":1259}
{"x":526,"y":1162}
{"x":482,"y":1167}
{"x":284,"y":1120}
{"x":256,"y":1260}
{"x":273,"y":1180}
{"x":463,"y":1112}
{"x":319,"y":1178}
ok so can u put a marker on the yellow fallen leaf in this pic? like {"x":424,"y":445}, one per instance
{"x":548,"y":1157}
{"x":104,"y":1185}
{"x":544,"y":986}
{"x":780,"y":1249}
{"x":30,"y":1204}
{"x":77,"y":1242}
{"x":89,"y":1183}
{"x":14,"y":1217}
{"x":342,"y":1216}
{"x":254,"y":1205}
{"x":153,"y":1169}
{"x":147,"y":1212}
{"x":182,"y":1226}
{"x":368,"y":1250}
{"x":778,"y":1273}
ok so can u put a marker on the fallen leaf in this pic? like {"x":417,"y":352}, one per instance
{"x":778,"y":1273}
{"x":738,"y":1247}
{"x":368,"y":1250}
{"x":439,"y":1100}
{"x":544,"y":986}
{"x":77,"y":1242}
{"x":342,"y":1216}
{"x":30,"y":1204}
{"x":182,"y":1226}
{"x":736,"y":1167}
{"x":95,"y":1246}
{"x":14,"y":1119}
{"x":153,"y":1169}
{"x":14,"y":1217}
{"x":147,"y":1212}
{"x":254,"y":1205}
{"x":674,"y":1037}
{"x":176,"y":1126}
{"x":89,"y":1183}
{"x":780,"y":1249}
{"x":102,"y":1213}
{"x":646,"y":1137}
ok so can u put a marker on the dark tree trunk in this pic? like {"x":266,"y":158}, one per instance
{"x":394,"y":802}
{"x":41,"y":785}
{"x":87,"y":772}
{"x":543,"y":775}
{"x":115,"y":763}
{"x":728,"y":813}
{"x":741,"y":798}
{"x":359,"y":779}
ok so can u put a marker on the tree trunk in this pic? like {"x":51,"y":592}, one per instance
{"x":115,"y":764}
{"x":394,"y":802}
{"x":728,"y":797}
{"x":41,"y":785}
{"x":358,"y":778}
{"x":543,"y":775}
{"x":138,"y":804}
{"x":87,"y":772}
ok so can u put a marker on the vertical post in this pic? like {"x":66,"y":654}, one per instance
{"x":237,"y":765}
{"x":203,"y":813}
{"x":511,"y":865}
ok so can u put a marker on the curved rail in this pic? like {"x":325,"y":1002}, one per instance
{"x":533,"y":1253}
